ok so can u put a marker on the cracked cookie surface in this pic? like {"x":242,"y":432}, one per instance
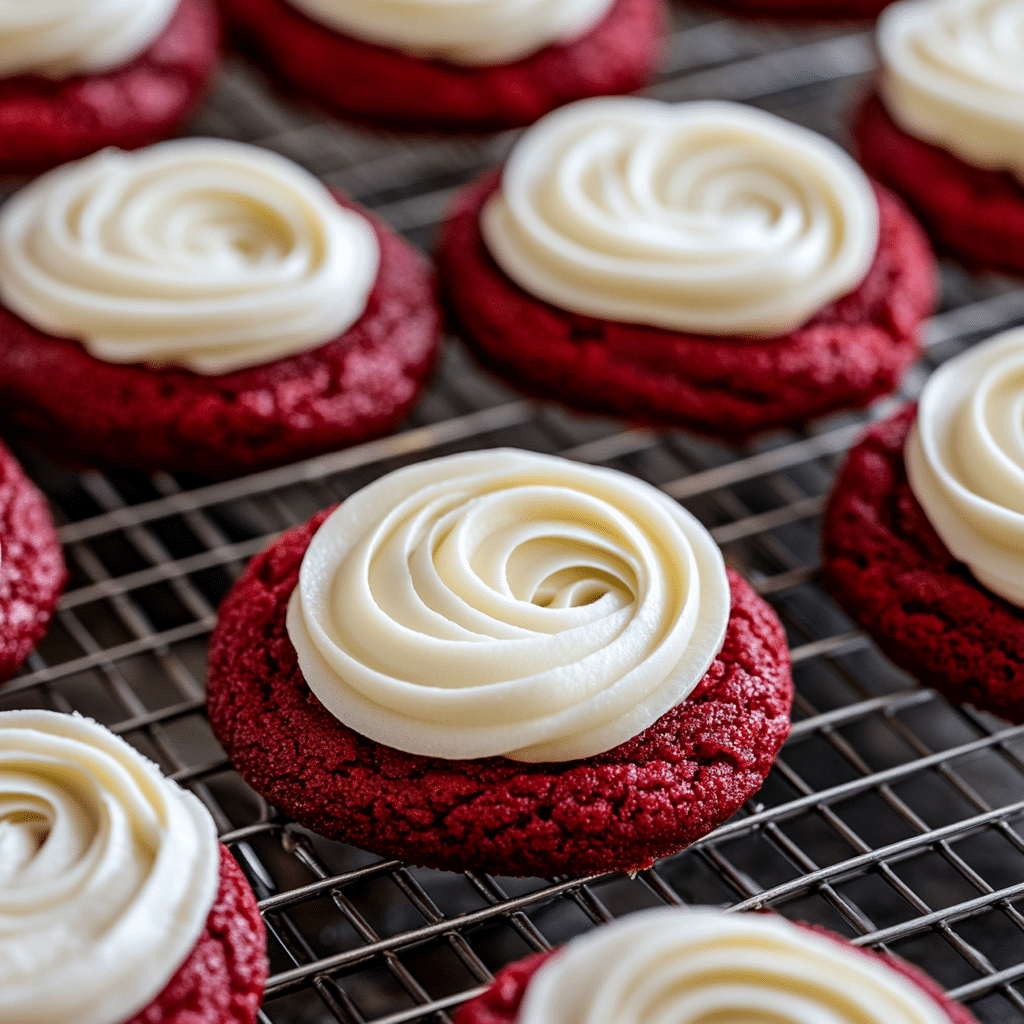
{"x":621,"y":809}
{"x":888,"y":568}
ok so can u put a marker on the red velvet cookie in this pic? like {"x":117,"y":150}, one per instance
{"x":622,"y":809}
{"x":815,"y":10}
{"x":355,"y":387}
{"x":382,"y":85}
{"x":853,"y":350}
{"x":974,"y":214}
{"x":221,"y":981}
{"x":500,"y":1003}
{"x":45,"y":121}
{"x":888,"y":568}
{"x":32,"y":570}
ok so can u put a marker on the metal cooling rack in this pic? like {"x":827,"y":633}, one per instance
{"x":891,"y":816}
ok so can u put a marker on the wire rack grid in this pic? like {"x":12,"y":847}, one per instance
{"x":891,"y":816}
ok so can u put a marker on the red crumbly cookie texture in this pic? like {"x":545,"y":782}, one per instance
{"x":45,"y":121}
{"x":221,"y":981}
{"x":355,"y":387}
{"x":885,"y":564}
{"x":812,"y":10}
{"x":500,"y":1003}
{"x":973,"y":214}
{"x":32,"y":572}
{"x":373,"y":83}
{"x":853,"y":350}
{"x":622,"y":809}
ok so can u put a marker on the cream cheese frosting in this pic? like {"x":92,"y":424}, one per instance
{"x":460,"y":31}
{"x":696,"y":966}
{"x":951,"y":75}
{"x":61,"y":38}
{"x":709,"y":217}
{"x":201,"y":253}
{"x":965,"y":460}
{"x":505,"y":602}
{"x":108,"y":871}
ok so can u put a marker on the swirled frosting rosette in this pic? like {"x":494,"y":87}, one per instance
{"x":107,"y":873}
{"x":504,"y":602}
{"x":60,"y":38}
{"x":965,"y":460}
{"x":202,"y":253}
{"x":461,"y":31}
{"x":951,"y":75}
{"x":696,"y":966}
{"x":714,"y":218}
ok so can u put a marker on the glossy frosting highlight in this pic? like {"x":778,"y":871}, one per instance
{"x":108,"y":871}
{"x":201,"y":253}
{"x":696,"y":966}
{"x":61,"y":38}
{"x":505,"y":602}
{"x":712,"y":217}
{"x":951,"y":75}
{"x":459,"y":31}
{"x":965,"y":460}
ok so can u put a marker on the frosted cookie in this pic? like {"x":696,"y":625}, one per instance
{"x":690,"y":965}
{"x":451,"y":65}
{"x":32,"y":570}
{"x":117,"y":904}
{"x":501,"y":660}
{"x":946,"y":127}
{"x":205,"y":305}
{"x":78,"y":75}
{"x":704,"y":265}
{"x":924,"y":532}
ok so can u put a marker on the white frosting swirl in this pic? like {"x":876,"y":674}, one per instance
{"x":678,"y":966}
{"x":460,"y":31}
{"x":711,"y":217}
{"x":61,"y":38}
{"x":107,"y":873}
{"x":202,"y":253}
{"x":952,"y":75}
{"x":504,"y":602}
{"x":965,"y":460}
